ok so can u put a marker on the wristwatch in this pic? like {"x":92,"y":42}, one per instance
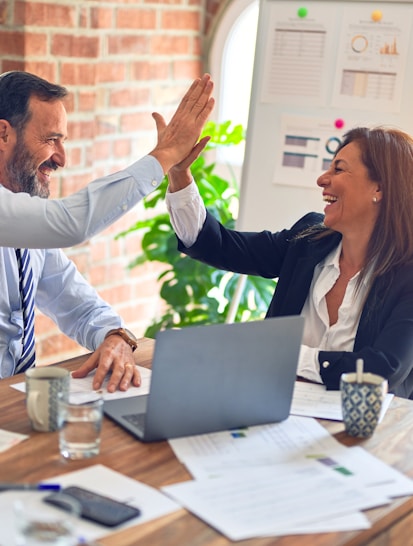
{"x":126,"y":335}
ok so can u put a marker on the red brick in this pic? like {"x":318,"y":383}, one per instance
{"x":99,"y":250}
{"x":163,"y":45}
{"x":43,"y":324}
{"x":7,"y":65}
{"x":82,"y":262}
{"x":69,"y":102}
{"x":136,"y":18}
{"x":121,"y":147}
{"x":103,"y":274}
{"x":53,"y":346}
{"x":115,"y":246}
{"x":101,"y":17}
{"x":35,"y":44}
{"x":156,"y":70}
{"x":84,"y":18}
{"x":162,"y":2}
{"x":121,"y":45}
{"x":110,"y":72}
{"x":74,"y":156}
{"x":43,"y":69}
{"x":106,"y":124}
{"x":11,"y":43}
{"x":197,"y":47}
{"x":102,"y":149}
{"x":81,"y":129}
{"x":122,"y":98}
{"x":42,"y":14}
{"x":78,"y":74}
{"x":4,"y":12}
{"x":115,"y":294}
{"x":87,"y":101}
{"x":136,"y":121}
{"x":65,"y":45}
{"x":180,"y":20}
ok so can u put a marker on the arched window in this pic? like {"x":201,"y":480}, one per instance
{"x":231,"y":58}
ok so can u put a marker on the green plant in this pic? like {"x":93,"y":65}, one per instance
{"x":195,"y":293}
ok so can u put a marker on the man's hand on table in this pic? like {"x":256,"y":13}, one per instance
{"x":114,"y":355}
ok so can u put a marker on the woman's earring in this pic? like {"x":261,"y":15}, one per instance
{"x":374,"y":199}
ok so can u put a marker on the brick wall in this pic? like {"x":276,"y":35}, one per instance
{"x":121,"y":60}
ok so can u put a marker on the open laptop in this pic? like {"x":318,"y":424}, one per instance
{"x":215,"y":377}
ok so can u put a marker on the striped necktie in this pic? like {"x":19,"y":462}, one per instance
{"x":28,"y":355}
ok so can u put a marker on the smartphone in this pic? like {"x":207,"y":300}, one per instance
{"x":94,"y":507}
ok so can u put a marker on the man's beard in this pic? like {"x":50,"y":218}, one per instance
{"x":22,"y":173}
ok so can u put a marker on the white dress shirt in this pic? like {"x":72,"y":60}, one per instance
{"x":60,"y":293}
{"x":318,"y":334}
{"x":33,"y":222}
{"x":187,"y":212}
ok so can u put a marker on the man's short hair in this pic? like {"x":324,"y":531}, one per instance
{"x":16,"y":89}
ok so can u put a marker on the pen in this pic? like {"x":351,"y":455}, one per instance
{"x":29,"y":487}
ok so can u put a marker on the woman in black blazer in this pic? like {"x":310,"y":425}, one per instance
{"x":349,"y":271}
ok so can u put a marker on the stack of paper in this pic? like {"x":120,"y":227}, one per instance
{"x":286,"y":478}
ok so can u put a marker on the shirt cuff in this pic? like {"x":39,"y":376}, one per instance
{"x":187,"y":213}
{"x":308,"y":365}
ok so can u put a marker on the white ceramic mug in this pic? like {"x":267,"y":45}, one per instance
{"x":44,"y":388}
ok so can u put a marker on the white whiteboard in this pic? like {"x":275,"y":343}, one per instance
{"x":343,"y":62}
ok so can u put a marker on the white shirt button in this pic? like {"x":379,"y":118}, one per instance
{"x":154,"y":183}
{"x":326,"y":364}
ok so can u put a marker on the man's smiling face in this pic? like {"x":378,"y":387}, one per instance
{"x":38,"y":150}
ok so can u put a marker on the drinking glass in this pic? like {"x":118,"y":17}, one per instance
{"x":79,"y":428}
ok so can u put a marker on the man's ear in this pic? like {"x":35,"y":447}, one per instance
{"x":5,"y":130}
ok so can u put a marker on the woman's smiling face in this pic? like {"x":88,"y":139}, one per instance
{"x":352,"y":197}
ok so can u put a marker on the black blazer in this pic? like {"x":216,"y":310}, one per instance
{"x":384,"y":336}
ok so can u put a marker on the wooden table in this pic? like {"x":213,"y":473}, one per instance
{"x":155,"y":464}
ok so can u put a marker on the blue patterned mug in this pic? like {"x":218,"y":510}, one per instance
{"x":45,"y":386}
{"x":361,"y":402}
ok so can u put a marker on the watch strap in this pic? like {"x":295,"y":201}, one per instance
{"x":125,"y":335}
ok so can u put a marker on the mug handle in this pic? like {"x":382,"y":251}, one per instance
{"x":32,"y":406}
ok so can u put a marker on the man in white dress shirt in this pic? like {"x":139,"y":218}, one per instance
{"x":33,"y":130}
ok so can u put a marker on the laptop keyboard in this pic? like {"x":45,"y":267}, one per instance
{"x":135,"y":419}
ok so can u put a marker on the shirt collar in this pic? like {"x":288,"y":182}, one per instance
{"x":333,"y":260}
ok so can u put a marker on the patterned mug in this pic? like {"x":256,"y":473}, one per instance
{"x":45,"y":386}
{"x":361,"y":402}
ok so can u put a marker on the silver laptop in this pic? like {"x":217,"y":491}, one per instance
{"x":216,"y":377}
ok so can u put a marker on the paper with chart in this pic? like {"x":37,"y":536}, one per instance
{"x":296,"y":438}
{"x":372,"y":58}
{"x":264,"y":469}
{"x":270,"y":501}
{"x":298,"y":52}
